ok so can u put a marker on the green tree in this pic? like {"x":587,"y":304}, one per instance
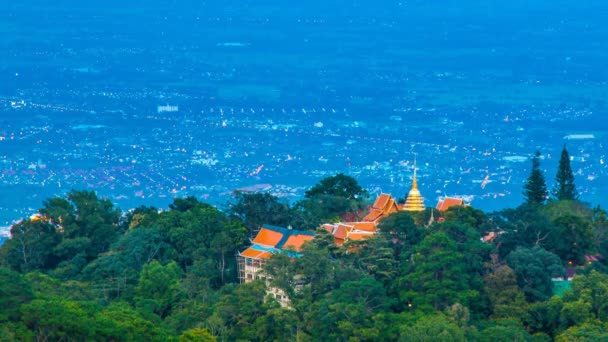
{"x":120,"y":322}
{"x":60,"y":319}
{"x":87,"y":226}
{"x":433,"y":328}
{"x":256,"y":209}
{"x":588,"y":332}
{"x":575,"y":238}
{"x":197,"y":335}
{"x":564,"y":179}
{"x":374,"y":257}
{"x":339,"y":185}
{"x":141,"y":217}
{"x":158,"y":288}
{"x":402,"y":232}
{"x":237,"y":310}
{"x":524,"y":226}
{"x":31,"y":246}
{"x":544,"y":317}
{"x":506,"y":299}
{"x":535,"y":189}
{"x":14,"y":291}
{"x":504,"y":330}
{"x":593,"y":290}
{"x":534,"y":268}
{"x":201,"y":234}
{"x":277,"y":324}
{"x":348,"y":311}
{"x":436,"y":277}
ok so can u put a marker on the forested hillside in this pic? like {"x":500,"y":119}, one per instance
{"x":83,"y":270}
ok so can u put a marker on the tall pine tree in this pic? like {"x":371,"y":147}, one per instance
{"x":535,"y":189}
{"x":564,"y":187}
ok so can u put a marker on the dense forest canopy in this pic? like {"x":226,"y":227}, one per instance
{"x":82,"y":270}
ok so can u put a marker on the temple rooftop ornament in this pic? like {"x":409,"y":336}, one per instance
{"x":414,"y":201}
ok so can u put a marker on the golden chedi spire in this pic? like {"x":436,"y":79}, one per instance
{"x":414,"y":201}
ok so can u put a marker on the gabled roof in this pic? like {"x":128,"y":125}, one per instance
{"x":257,"y":252}
{"x":295,"y":242}
{"x":268,"y":237}
{"x":384,"y":205}
{"x":341,"y":231}
{"x":358,"y":236}
{"x":328,"y":227}
{"x":381,"y":201}
{"x":449,"y":202}
{"x":365,"y":226}
{"x":373,"y":215}
{"x":272,"y":239}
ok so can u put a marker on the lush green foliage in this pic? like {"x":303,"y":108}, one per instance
{"x":535,"y":189}
{"x":564,"y":179}
{"x":82,"y":271}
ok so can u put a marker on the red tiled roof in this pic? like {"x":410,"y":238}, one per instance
{"x":449,"y":202}
{"x":268,"y":237}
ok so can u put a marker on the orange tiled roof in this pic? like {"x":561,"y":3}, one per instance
{"x":381,"y":201}
{"x":449,"y":202}
{"x":328,"y":227}
{"x":296,"y":241}
{"x":267,"y":237}
{"x":358,"y":236}
{"x":391,"y":207}
{"x":341,"y":231}
{"x":365,"y":226}
{"x":256,"y":254}
{"x":489,"y":237}
{"x":373,"y":215}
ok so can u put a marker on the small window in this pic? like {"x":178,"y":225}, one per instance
{"x":279,"y":297}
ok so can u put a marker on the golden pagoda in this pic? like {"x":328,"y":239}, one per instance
{"x":414,"y":201}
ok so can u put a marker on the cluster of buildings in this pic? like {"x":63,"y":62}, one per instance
{"x":271,"y":240}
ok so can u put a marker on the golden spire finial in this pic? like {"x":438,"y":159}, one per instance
{"x":414,"y":201}
{"x":414,"y":181}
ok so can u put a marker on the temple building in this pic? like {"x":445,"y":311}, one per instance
{"x":414,"y":201}
{"x":383,"y":206}
{"x":448,"y":202}
{"x":270,"y":240}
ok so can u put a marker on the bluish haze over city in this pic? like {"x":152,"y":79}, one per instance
{"x":144,"y":101}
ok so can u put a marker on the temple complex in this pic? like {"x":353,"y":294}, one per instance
{"x":271,"y":240}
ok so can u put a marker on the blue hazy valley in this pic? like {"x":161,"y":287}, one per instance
{"x":275,"y":96}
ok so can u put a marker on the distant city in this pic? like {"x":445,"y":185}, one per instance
{"x":150,"y":158}
{"x":205,"y":100}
